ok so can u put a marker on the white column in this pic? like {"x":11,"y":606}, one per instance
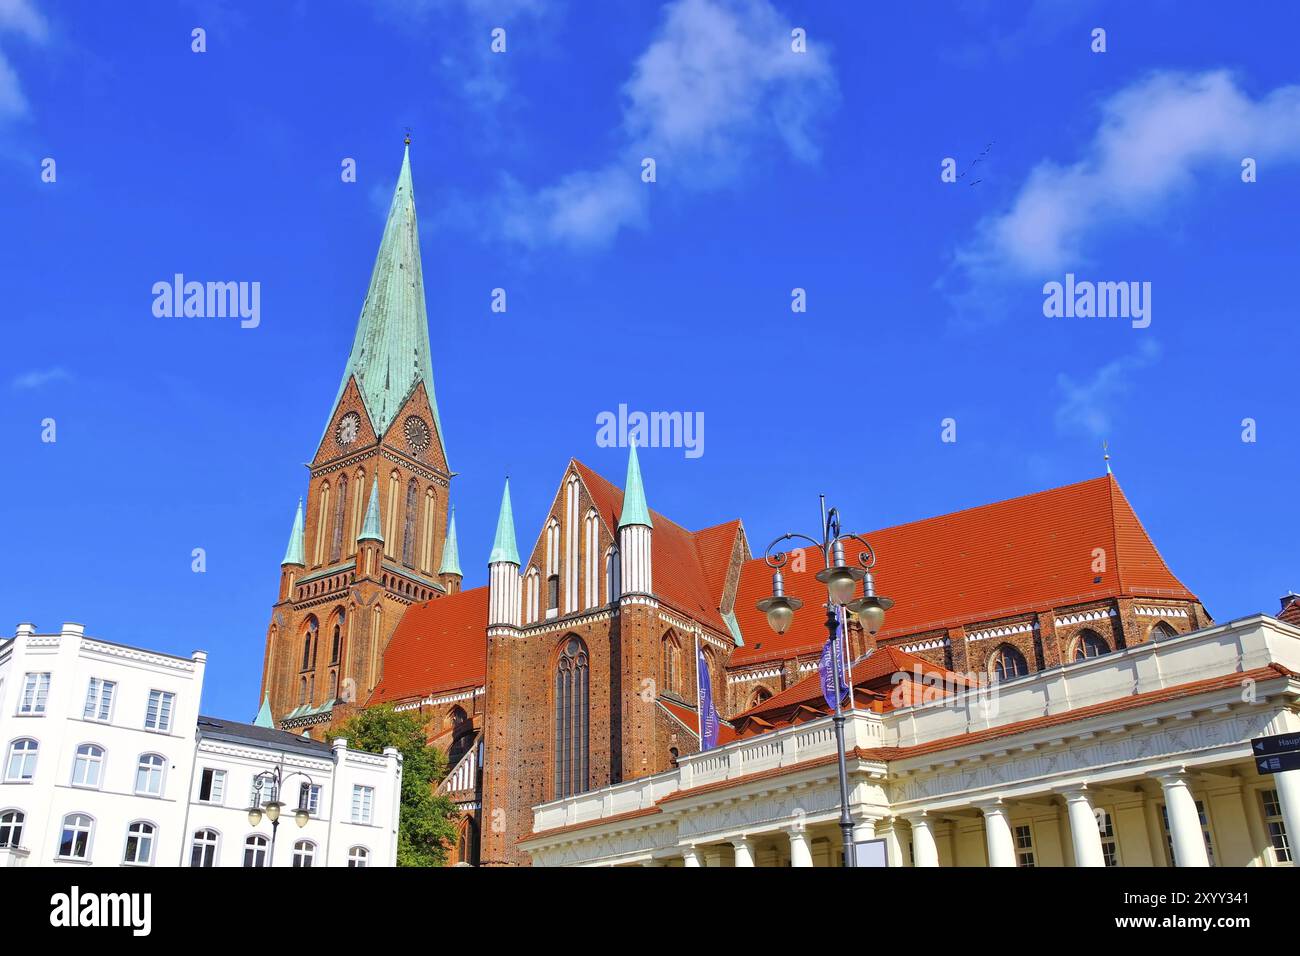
{"x":893,"y":847}
{"x":997,"y":833}
{"x":1083,"y":828}
{"x":1288,"y":795}
{"x":924,"y":850}
{"x":800,"y":855}
{"x":1184,"y":822}
{"x":744,"y":848}
{"x":690,"y":857}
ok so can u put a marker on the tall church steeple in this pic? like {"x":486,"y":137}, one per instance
{"x":371,"y":538}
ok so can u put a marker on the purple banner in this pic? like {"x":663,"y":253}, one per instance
{"x":832,"y":658}
{"x":708,"y":716}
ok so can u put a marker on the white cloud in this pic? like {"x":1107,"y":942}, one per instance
{"x":1154,"y":139}
{"x":718,"y":80}
{"x":1089,"y":407}
{"x":39,"y":377}
{"x":20,"y":18}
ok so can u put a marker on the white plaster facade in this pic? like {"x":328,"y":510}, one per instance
{"x":103,"y":748}
{"x":1140,"y":757}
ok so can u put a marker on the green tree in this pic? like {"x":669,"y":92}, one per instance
{"x":428,"y":822}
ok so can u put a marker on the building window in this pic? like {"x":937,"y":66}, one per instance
{"x":304,"y":853}
{"x":1161,"y":630}
{"x":309,"y":797}
{"x":1008,"y":663}
{"x":1109,"y":844}
{"x":553,"y":595}
{"x":36,"y":693}
{"x":1089,"y":644}
{"x":363,"y":800}
{"x":159,"y":714}
{"x":149,"y":775}
{"x":571,"y":680}
{"x":612,"y":572}
{"x":99,"y":699}
{"x":340,"y":516}
{"x":358,"y":856}
{"x":336,"y":647}
{"x":21,"y":765}
{"x":255,"y":850}
{"x":87,"y":766}
{"x":203,"y":851}
{"x":408,"y":528}
{"x":334,"y":686}
{"x":761,"y":695}
{"x":11,"y":828}
{"x":139,"y":843}
{"x":1205,"y":832}
{"x":1276,"y":828}
{"x":302,"y":691}
{"x":1024,"y":845}
{"x":672,"y":664}
{"x":74,"y":843}
{"x":462,"y":735}
{"x":212,"y":786}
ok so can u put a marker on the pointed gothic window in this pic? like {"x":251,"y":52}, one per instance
{"x":336,"y":648}
{"x":358,"y":510}
{"x":408,"y":532}
{"x":1008,"y":663}
{"x":390,"y":522}
{"x":1089,"y":644}
{"x":571,"y":718}
{"x":340,"y":516}
{"x":672,"y":664}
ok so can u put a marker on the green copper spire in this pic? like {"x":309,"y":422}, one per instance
{"x":293,"y":554}
{"x":503,"y":548}
{"x":450,"y":552}
{"x":264,"y":718}
{"x":390,"y":353}
{"x":634,"y":509}
{"x":370,"y":527}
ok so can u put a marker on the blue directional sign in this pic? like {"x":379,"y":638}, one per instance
{"x":1278,"y":763}
{"x":1277,"y":744}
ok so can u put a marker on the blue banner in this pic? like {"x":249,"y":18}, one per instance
{"x":833,"y":658}
{"x":708,"y":716}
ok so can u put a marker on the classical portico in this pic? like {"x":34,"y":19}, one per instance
{"x":1138,"y":758}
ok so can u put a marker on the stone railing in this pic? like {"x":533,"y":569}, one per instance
{"x":734,"y":761}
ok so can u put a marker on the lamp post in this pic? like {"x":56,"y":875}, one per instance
{"x":841,"y":581}
{"x":276,"y":777}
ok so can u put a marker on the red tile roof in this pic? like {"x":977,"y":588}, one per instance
{"x":440,"y":645}
{"x":1009,"y":557}
{"x":1290,"y":612}
{"x":680,"y":576}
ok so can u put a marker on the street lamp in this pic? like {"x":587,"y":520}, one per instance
{"x":841,"y":581}
{"x":276,"y":777}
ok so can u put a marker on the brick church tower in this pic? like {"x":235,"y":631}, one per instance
{"x":373,"y":538}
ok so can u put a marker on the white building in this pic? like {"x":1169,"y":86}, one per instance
{"x":1139,"y":757}
{"x":107,"y":762}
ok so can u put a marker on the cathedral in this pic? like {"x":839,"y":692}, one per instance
{"x":574,"y":668}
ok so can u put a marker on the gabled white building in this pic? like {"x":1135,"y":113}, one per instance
{"x":106,"y":762}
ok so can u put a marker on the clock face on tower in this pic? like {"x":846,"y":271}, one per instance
{"x":347,"y":430}
{"x":417,"y":434}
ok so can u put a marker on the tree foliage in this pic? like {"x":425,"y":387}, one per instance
{"x":428,"y":821}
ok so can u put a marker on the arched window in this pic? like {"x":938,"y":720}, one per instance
{"x":1088,"y":644}
{"x":358,"y":509}
{"x":139,"y":843}
{"x":322,"y":522}
{"x":21,"y":765}
{"x":532,"y":595}
{"x":553,"y":595}
{"x":302,"y":691}
{"x":1007,"y":663}
{"x":390,"y":525}
{"x":149,"y":775}
{"x":74,"y":841}
{"x":591,"y":559}
{"x":304,"y":853}
{"x":613,"y":576}
{"x":88,"y":766}
{"x":203,"y":851}
{"x":336,"y":647}
{"x":11,"y":828}
{"x":334,"y":686}
{"x":408,"y":532}
{"x":427,"y":530}
{"x":309,"y":642}
{"x":465,"y":841}
{"x":358,"y":856}
{"x":571,"y":680}
{"x":340,"y":519}
{"x":462,"y":735}
{"x":1161,"y":630}
{"x":255,"y":851}
{"x":671,"y":659}
{"x":761,"y":695}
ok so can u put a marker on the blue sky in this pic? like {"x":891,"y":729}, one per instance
{"x":775,"y":171}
